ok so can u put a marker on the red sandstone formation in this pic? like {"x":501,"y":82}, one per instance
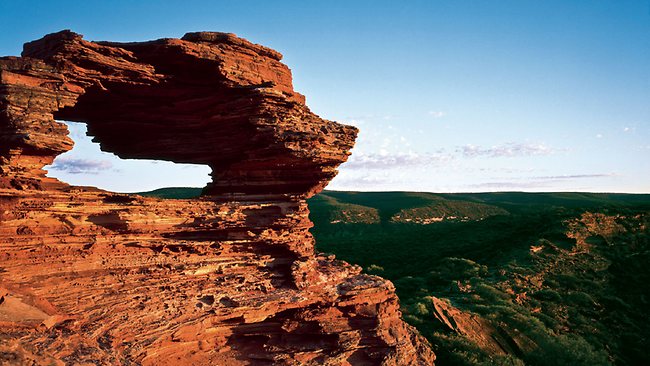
{"x":93,"y":277}
{"x":496,"y":340}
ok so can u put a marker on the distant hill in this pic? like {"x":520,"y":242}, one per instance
{"x":402,"y":207}
{"x":400,"y":198}
{"x":173,"y":192}
{"x":421,"y":207}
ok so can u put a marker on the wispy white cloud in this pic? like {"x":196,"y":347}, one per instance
{"x":437,"y":114}
{"x":363,"y":119}
{"x":360,"y":181}
{"x":575,"y":176}
{"x":538,"y":181}
{"x":508,"y":185}
{"x":385,"y":160}
{"x":511,"y":149}
{"x":80,"y":166}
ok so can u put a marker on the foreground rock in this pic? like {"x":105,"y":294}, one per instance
{"x":231,"y":278}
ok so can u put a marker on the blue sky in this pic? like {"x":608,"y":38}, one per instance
{"x":449,"y":95}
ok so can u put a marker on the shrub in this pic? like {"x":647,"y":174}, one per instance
{"x":566,"y":350}
{"x":548,"y":295}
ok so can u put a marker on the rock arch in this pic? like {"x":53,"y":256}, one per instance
{"x":229,"y":278}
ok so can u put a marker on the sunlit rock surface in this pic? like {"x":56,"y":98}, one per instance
{"x":231,"y":278}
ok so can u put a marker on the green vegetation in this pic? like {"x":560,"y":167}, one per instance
{"x":173,"y":192}
{"x":563,"y":276}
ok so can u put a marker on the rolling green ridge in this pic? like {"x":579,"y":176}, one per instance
{"x":563,"y":275}
{"x":173,"y":192}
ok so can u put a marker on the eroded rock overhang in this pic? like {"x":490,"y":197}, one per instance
{"x":208,"y":98}
{"x":230,"y":278}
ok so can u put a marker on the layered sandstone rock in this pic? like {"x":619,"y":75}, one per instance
{"x":231,"y":278}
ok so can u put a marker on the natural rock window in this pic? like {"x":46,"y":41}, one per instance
{"x":89,"y":276}
{"x":87,"y":165}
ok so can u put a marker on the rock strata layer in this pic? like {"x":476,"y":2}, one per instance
{"x":232,"y":278}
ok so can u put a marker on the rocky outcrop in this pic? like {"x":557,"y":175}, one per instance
{"x":231,"y":278}
{"x":495,"y":340}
